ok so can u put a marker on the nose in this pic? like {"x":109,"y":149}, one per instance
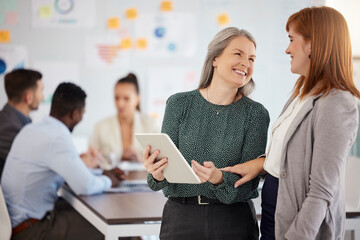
{"x":287,"y":51}
{"x":244,"y":63}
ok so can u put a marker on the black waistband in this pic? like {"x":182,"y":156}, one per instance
{"x":199,"y":200}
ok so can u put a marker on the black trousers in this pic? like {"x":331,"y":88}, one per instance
{"x":209,"y":222}
{"x":269,"y":194}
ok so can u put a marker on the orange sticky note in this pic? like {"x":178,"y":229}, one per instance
{"x":223,"y":19}
{"x":131,"y":13}
{"x":126,"y":43}
{"x":113,"y":23}
{"x":141,"y":43}
{"x":45,"y":12}
{"x":166,"y":6}
{"x":4,"y":36}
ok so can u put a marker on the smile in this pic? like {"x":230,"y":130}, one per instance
{"x":243,"y":73}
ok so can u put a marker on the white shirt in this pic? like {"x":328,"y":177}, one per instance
{"x":106,"y":136}
{"x":41,"y":158}
{"x":278,"y":132}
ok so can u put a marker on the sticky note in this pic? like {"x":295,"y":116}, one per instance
{"x":4,"y":36}
{"x":126,"y":43}
{"x":166,"y":6}
{"x":223,"y":19}
{"x":131,"y":13}
{"x":113,"y":23}
{"x":11,"y":18}
{"x":141,"y":43}
{"x":45,"y":12}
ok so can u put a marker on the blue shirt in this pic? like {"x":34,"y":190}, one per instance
{"x":42,"y":157}
{"x":11,"y":122}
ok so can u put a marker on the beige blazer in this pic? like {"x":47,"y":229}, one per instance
{"x":106,"y":136}
{"x":311,"y":197}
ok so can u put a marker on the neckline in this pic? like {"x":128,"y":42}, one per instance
{"x":217,"y":105}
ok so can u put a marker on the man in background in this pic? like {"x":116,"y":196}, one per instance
{"x":24,"y":89}
{"x":42,"y":158}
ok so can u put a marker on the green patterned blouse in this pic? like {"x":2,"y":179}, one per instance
{"x":236,"y":135}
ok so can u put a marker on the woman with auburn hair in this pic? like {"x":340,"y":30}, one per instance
{"x":303,"y":194}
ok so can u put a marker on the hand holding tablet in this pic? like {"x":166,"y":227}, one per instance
{"x":177,"y":169}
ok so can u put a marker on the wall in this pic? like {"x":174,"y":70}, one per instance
{"x":67,"y":53}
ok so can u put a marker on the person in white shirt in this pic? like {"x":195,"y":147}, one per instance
{"x":114,"y":136}
{"x":41,"y":159}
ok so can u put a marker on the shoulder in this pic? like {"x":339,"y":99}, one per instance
{"x":337,"y":100}
{"x":146,"y":121}
{"x":106,"y":122}
{"x":182,"y":97}
{"x":256,"y":108}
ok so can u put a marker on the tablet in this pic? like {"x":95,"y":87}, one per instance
{"x":178,"y":170}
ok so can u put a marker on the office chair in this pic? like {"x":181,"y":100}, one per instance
{"x":5,"y":224}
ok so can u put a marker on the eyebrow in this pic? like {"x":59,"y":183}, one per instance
{"x":243,"y":52}
{"x":290,"y":36}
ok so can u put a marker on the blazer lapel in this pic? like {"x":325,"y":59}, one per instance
{"x":308,"y":106}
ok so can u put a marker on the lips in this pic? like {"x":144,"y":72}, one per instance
{"x":241,"y":72}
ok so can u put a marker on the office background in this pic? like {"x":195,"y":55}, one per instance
{"x":94,"y":43}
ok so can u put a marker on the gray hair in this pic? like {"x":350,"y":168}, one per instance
{"x":215,"y":48}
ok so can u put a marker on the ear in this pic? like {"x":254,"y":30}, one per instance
{"x":308,"y":47}
{"x":29,"y":96}
{"x":214,"y":63}
{"x":74,"y":114}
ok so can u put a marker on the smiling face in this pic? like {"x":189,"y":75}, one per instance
{"x":126,"y":99}
{"x":235,"y":65}
{"x":299,"y":50}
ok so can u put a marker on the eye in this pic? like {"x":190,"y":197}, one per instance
{"x":239,"y":54}
{"x":252,"y":59}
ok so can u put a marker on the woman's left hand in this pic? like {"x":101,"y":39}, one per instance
{"x":207,"y":172}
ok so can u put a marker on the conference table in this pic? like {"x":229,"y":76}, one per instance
{"x":139,"y":213}
{"x":120,"y":214}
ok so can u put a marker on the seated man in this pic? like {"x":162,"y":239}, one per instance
{"x":23,"y":88}
{"x":41,"y":159}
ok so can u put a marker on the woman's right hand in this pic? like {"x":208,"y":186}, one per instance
{"x":248,"y":170}
{"x":155,"y":168}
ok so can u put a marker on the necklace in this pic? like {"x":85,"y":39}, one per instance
{"x":218,"y":110}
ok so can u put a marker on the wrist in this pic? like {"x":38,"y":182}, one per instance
{"x":218,"y":178}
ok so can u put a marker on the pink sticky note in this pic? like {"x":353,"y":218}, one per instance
{"x":11,"y":17}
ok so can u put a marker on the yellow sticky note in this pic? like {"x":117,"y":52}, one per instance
{"x":131,"y":13}
{"x":113,"y":23}
{"x":45,"y":12}
{"x":141,"y":43}
{"x":166,"y":6}
{"x":223,"y":19}
{"x":126,"y":43}
{"x":4,"y":36}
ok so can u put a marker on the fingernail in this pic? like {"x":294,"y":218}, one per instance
{"x":236,"y":186}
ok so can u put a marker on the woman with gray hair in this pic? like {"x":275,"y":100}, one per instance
{"x":214,"y":126}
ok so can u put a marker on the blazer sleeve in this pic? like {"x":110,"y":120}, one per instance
{"x":334,"y":129}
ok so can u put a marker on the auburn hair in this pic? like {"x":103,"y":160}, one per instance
{"x":331,"y":57}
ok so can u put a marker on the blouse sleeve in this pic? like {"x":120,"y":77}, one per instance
{"x":254,"y":145}
{"x":171,"y":123}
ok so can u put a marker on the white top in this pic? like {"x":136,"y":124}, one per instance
{"x":107,"y":135}
{"x":278,"y":132}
